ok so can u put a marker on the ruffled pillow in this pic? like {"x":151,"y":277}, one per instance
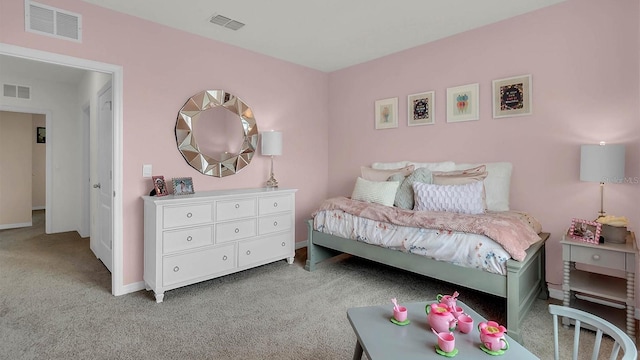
{"x":465,"y":199}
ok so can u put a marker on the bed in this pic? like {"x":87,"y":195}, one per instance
{"x":521,"y":282}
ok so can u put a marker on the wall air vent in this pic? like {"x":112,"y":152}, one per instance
{"x":17,"y":91}
{"x":226,"y":22}
{"x":47,"y":20}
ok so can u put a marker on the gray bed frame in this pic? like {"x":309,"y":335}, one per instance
{"x":524,"y":282}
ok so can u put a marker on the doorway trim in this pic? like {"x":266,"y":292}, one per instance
{"x":117,"y":78}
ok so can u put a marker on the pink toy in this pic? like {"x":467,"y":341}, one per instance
{"x":449,"y":300}
{"x":465,"y":323}
{"x":440,"y":317}
{"x":492,"y":336}
{"x":446,"y":341}
{"x":400,"y":313}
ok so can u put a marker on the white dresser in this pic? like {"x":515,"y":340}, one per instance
{"x":192,"y":238}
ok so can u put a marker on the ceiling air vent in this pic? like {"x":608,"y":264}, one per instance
{"x":226,"y":22}
{"x":47,"y":20}
{"x":17,"y":91}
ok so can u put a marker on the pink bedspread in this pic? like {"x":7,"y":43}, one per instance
{"x":515,"y":231}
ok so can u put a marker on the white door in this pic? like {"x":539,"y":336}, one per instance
{"x":101,"y":234}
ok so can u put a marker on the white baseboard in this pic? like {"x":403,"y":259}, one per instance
{"x":301,"y":244}
{"x":559,"y":295}
{"x":17,"y":225}
{"x":130,"y":288}
{"x":37,"y":208}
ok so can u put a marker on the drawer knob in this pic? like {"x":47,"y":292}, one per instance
{"x":275,"y":223}
{"x":237,"y":206}
{"x":189,"y":215}
{"x":176,"y":269}
{"x":275,"y":204}
{"x":248,"y":252}
{"x":189,"y":238}
{"x":596,"y":257}
{"x":237,"y":230}
{"x":283,"y":244}
{"x":225,"y":258}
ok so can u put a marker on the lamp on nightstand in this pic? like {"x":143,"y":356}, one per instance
{"x":602,"y":163}
{"x":272,"y":146}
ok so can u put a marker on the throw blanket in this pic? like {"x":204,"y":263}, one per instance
{"x":515,"y":231}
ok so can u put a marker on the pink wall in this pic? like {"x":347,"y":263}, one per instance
{"x":162,"y":69}
{"x":583,"y":58}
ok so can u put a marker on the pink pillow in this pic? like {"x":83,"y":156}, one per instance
{"x":382,"y":175}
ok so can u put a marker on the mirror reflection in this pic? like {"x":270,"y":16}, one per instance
{"x":216,"y":133}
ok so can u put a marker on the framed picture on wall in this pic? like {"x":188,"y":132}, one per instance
{"x":386,"y":113}
{"x":512,"y":96}
{"x":584,"y":230}
{"x":159,"y":185}
{"x":182,"y":186}
{"x":41,"y":135}
{"x":421,"y":109}
{"x":463,"y":103}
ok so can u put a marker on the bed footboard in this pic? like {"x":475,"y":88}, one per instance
{"x":524,"y":282}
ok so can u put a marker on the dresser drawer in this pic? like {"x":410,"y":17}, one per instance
{"x":275,"y":204}
{"x":176,"y":240}
{"x":235,"y":209}
{"x":599,"y":257}
{"x":272,"y":247}
{"x":175,"y":216}
{"x":198,"y":264}
{"x":271,"y":224}
{"x":235,"y":230}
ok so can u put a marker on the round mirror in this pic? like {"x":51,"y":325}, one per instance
{"x":226,"y":128}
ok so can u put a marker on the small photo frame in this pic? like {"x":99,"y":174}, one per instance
{"x":386,"y":112}
{"x":421,"y":109}
{"x":585,"y":230}
{"x":463,"y":103}
{"x":159,"y":185}
{"x":512,"y":96}
{"x":41,"y":135}
{"x":182,"y":186}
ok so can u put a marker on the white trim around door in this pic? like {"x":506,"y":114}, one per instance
{"x":116,"y":71}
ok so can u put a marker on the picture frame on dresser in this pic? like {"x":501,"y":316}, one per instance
{"x":159,"y":185}
{"x":585,"y":230}
{"x":421,"y":109}
{"x":512,"y":96}
{"x":463,"y":103}
{"x":386,"y":113}
{"x":182,"y":186}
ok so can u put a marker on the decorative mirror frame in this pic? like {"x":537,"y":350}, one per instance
{"x":222,"y":164}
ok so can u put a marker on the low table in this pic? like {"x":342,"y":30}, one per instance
{"x":381,"y":339}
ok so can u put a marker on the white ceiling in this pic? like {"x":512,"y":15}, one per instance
{"x":327,"y":35}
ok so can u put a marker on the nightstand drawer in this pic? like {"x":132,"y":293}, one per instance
{"x":599,"y":257}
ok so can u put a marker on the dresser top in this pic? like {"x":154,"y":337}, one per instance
{"x":203,"y":195}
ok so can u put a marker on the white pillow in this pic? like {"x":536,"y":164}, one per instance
{"x":433,"y":166}
{"x":380,"y":192}
{"x":497,"y":184}
{"x":465,"y":199}
{"x":389,"y":166}
{"x":372,"y":174}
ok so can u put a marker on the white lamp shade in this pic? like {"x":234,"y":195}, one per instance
{"x":602,"y":163}
{"x":271,"y":143}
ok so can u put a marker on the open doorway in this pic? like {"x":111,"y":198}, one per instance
{"x":116,"y":75}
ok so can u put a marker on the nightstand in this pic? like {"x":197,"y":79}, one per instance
{"x":609,"y":297}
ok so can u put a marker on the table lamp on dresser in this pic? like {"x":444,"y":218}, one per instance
{"x":272,"y":146}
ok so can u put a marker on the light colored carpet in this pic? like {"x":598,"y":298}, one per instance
{"x":55,"y":303}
